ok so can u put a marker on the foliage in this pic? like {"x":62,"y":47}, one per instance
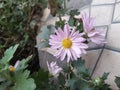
{"x":17,"y":79}
{"x":46,"y":31}
{"x":15,"y":17}
{"x":117,"y":81}
{"x":8,"y":55}
{"x":41,"y":79}
{"x":75,"y":76}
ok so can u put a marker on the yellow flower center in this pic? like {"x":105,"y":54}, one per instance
{"x":11,"y":68}
{"x":66,"y":43}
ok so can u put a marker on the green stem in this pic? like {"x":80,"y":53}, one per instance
{"x":60,"y":18}
{"x":64,"y":4}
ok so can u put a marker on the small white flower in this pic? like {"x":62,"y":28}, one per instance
{"x":54,"y":69}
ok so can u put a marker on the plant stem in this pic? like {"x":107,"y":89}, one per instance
{"x":60,"y":18}
{"x":64,"y":4}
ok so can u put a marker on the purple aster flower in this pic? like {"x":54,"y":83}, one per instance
{"x":95,"y":35}
{"x":54,"y":69}
{"x":69,"y":43}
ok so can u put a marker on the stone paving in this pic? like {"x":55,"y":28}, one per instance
{"x":105,"y":58}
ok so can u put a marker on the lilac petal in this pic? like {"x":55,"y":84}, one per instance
{"x":16,"y":64}
{"x":67,"y":30}
{"x":78,"y":40}
{"x":68,"y":55}
{"x":74,"y":55}
{"x":63,"y":55}
{"x":87,"y":22}
{"x":92,"y":33}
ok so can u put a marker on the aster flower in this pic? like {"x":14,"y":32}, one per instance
{"x":69,"y":43}
{"x":95,"y":35}
{"x":54,"y":69}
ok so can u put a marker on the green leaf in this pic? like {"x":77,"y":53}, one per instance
{"x":59,"y":24}
{"x":74,"y":12}
{"x":2,"y":78}
{"x":81,"y":69}
{"x":61,"y":78}
{"x":117,"y":81}
{"x":44,"y":36}
{"x":105,"y":75}
{"x":22,"y":81}
{"x":43,"y":44}
{"x":46,"y":31}
{"x":80,"y":27}
{"x":23,"y":63}
{"x":41,"y":79}
{"x":71,"y":21}
{"x":71,"y":83}
{"x":5,"y":85}
{"x":106,"y":87}
{"x":1,"y":5}
{"x":8,"y":55}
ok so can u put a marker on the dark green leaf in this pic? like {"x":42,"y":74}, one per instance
{"x":61,"y":79}
{"x":41,"y":79}
{"x":23,"y":63}
{"x":80,"y":27}
{"x":74,"y":12}
{"x":8,"y":55}
{"x":105,"y":75}
{"x":117,"y":81}
{"x":22,"y":81}
{"x":71,"y":21}
{"x":44,"y":36}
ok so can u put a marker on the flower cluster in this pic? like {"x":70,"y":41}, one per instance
{"x":70,"y":44}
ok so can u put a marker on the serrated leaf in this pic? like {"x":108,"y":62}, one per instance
{"x":71,"y":21}
{"x":71,"y":83}
{"x":46,"y":31}
{"x":80,"y":27}
{"x":105,"y":75}
{"x":81,"y":69}
{"x":8,"y":55}
{"x":61,"y":79}
{"x":2,"y":78}
{"x":5,"y":85}
{"x":43,"y":44}
{"x":41,"y":79}
{"x":74,"y":12}
{"x":23,"y":63}
{"x":44,"y":36}
{"x":1,"y":5}
{"x":22,"y":81}
{"x":117,"y":81}
{"x":59,"y":24}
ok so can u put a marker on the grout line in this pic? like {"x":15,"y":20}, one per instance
{"x":118,"y":2}
{"x":97,"y":62}
{"x":101,"y":26}
{"x":115,"y":22}
{"x":103,"y":4}
{"x":99,"y":56}
{"x":112,"y":49}
{"x":113,"y":13}
{"x":95,"y":48}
